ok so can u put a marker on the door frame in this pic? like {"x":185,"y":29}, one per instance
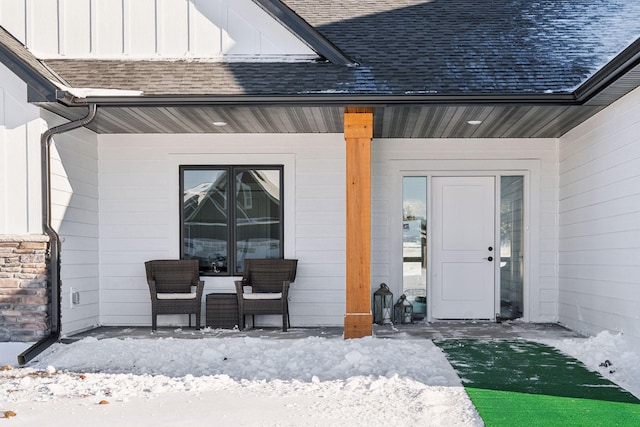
{"x":529,"y":169}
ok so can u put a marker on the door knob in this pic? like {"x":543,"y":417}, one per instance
{"x":490,"y":248}
{"x":489,"y":258}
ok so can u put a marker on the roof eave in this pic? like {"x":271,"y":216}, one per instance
{"x":306,"y":32}
{"x":620,"y":65}
{"x":40,"y":89}
{"x":343,"y":99}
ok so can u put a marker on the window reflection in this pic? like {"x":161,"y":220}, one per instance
{"x":258,"y":225}
{"x":511,"y":246}
{"x":414,"y":243}
{"x":221,"y":237}
{"x":205,"y":225}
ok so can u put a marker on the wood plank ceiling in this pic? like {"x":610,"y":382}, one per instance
{"x":429,"y":121}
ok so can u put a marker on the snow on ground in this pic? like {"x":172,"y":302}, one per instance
{"x":612,"y":355}
{"x":9,"y":352}
{"x":239,"y":381}
{"x":261,"y":382}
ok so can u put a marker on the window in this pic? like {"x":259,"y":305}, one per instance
{"x":414,"y":243}
{"x":511,"y":246}
{"x":230,"y":213}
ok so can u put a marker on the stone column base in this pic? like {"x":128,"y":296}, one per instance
{"x":24,"y":292}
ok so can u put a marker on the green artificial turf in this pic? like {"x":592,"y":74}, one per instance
{"x":522,"y":383}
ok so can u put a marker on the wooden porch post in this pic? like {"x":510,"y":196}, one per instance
{"x":358,"y":132}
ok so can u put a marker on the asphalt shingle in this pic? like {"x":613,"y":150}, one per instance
{"x":444,"y":47}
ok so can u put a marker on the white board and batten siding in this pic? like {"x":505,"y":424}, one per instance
{"x":20,"y":128}
{"x":74,"y":211}
{"x":534,"y":158}
{"x":147,"y":29}
{"x":599,"y":263}
{"x":139,"y":217}
{"x":74,"y":182}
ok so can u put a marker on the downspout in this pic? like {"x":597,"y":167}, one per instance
{"x":54,"y":238}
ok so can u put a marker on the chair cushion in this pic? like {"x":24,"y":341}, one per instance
{"x":262,"y":295}
{"x":180,"y":295}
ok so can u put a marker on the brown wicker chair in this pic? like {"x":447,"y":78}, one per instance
{"x":175,"y":288}
{"x":269,"y":281}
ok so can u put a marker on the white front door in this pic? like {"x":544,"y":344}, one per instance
{"x":463,"y":224}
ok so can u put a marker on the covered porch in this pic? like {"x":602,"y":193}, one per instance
{"x":344,"y":134}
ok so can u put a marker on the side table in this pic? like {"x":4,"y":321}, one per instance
{"x":222,"y":311}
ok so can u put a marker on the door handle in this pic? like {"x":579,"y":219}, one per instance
{"x":489,"y":258}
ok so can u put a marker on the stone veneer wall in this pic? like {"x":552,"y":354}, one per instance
{"x":24,"y":297}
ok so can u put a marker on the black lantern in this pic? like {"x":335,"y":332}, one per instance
{"x":382,"y":305}
{"x":403,"y":310}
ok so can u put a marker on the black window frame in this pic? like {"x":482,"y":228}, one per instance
{"x":231,"y":171}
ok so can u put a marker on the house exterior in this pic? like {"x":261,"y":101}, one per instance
{"x":480,"y":157}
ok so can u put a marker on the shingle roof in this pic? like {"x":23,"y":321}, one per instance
{"x":463,"y":46}
{"x":443,"y":47}
{"x":207,"y":78}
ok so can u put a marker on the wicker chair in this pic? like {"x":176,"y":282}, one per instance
{"x":264,"y":288}
{"x":175,"y":288}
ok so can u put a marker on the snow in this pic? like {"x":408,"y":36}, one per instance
{"x":85,"y":92}
{"x":9,"y":352}
{"x":239,"y":381}
{"x":622,"y":354}
{"x":314,"y":381}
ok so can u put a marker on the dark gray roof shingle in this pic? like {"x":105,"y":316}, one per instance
{"x":478,"y":46}
{"x":407,"y":47}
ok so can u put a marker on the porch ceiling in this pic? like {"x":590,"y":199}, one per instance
{"x":407,"y":117}
{"x":427,"y":121}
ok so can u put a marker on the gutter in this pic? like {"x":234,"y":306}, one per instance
{"x":624,"y":62}
{"x":54,"y":238}
{"x":315,"y":99}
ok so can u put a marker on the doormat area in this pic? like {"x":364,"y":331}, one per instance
{"x":523,"y":383}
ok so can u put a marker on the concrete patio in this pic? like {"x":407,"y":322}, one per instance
{"x":420,"y":330}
